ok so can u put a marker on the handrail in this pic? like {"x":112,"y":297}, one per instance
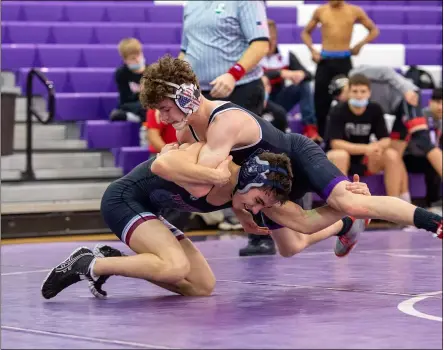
{"x":28,"y":174}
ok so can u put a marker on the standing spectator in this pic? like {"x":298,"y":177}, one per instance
{"x":127,"y":79}
{"x":158,"y":133}
{"x":274,"y":113}
{"x":224,"y":42}
{"x":349,"y":128}
{"x":280,"y":68}
{"x":337,"y":19}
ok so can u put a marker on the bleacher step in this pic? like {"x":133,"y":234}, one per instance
{"x":50,"y":207}
{"x":52,"y":191}
{"x":7,"y":79}
{"x":47,"y":145}
{"x":65,"y":174}
{"x":40,"y":131}
{"x":59,"y":160}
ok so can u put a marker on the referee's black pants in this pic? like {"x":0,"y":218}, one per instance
{"x":249,"y":96}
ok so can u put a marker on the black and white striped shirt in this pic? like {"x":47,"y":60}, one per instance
{"x":217,"y":33}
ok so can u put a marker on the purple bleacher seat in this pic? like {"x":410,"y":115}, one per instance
{"x":75,"y":12}
{"x":426,"y":95}
{"x":125,"y":13}
{"x":283,"y":14}
{"x":116,"y":154}
{"x":423,"y":55}
{"x":17,"y":56}
{"x":43,"y":11}
{"x":390,"y":35}
{"x":70,"y":33}
{"x":5,"y":34}
{"x":376,"y":185}
{"x":10,"y":11}
{"x":385,"y":15}
{"x":424,"y":3}
{"x":296,"y":125}
{"x":288,"y":33}
{"x":388,"y":2}
{"x":423,"y":15}
{"x":58,"y":77}
{"x":112,"y":33}
{"x":423,"y":34}
{"x":103,"y":134}
{"x":29,"y":33}
{"x":160,"y":33}
{"x":101,"y":56}
{"x":84,"y":106}
{"x":130,"y":157}
{"x":92,"y":80}
{"x":60,"y":55}
{"x":154,"y":52}
{"x":164,"y":13}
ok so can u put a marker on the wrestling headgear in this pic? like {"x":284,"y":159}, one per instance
{"x":337,"y":84}
{"x":253,"y":173}
{"x":186,"y":96}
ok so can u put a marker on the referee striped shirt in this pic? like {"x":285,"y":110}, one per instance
{"x":217,"y":33}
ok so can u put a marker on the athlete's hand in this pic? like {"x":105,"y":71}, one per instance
{"x":411,"y":98}
{"x":246,"y":220}
{"x":223,"y":86}
{"x":356,"y":49}
{"x":296,"y":76}
{"x":169,"y":147}
{"x":357,"y":187}
{"x":224,"y":172}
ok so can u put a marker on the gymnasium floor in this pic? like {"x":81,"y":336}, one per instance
{"x":386,"y":294}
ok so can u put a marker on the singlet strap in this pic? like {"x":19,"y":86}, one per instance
{"x":193,"y":133}
{"x":219,"y":109}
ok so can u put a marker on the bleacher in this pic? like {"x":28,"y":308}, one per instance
{"x":75,"y":45}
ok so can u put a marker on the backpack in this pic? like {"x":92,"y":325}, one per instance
{"x":420,"y":78}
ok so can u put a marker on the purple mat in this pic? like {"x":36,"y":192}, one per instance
{"x":313,"y":300}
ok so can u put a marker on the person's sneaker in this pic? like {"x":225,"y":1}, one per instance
{"x":230,"y":224}
{"x":70,"y":271}
{"x":102,"y":251}
{"x":438,"y":233}
{"x":258,"y":247}
{"x":346,"y":242}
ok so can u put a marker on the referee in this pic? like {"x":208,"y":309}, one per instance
{"x":224,"y":42}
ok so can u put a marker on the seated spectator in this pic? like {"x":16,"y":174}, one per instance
{"x":418,"y":154}
{"x":279,"y":68}
{"x":273,"y":112}
{"x":158,"y":134}
{"x":127,"y":79}
{"x":349,"y":128}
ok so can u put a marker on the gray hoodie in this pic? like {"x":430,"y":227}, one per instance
{"x":388,"y":86}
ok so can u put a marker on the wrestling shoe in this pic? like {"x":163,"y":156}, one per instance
{"x":70,"y":271}
{"x":102,"y":251}
{"x":346,"y":242}
{"x":258,"y":247}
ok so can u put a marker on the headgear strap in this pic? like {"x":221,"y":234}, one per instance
{"x":186,"y":96}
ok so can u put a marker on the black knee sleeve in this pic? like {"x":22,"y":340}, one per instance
{"x":420,"y":143}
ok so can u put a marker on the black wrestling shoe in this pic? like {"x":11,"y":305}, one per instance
{"x":258,"y":247}
{"x":72,"y":270}
{"x":102,"y":251}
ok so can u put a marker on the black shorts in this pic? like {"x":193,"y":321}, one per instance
{"x":403,"y":113}
{"x":123,"y":212}
{"x":359,"y":165}
{"x":312,"y":170}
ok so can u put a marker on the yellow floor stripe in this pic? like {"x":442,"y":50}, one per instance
{"x":74,"y":238}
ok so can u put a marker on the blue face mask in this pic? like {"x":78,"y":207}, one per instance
{"x":266,"y":97}
{"x":358,"y":103}
{"x":137,"y":66}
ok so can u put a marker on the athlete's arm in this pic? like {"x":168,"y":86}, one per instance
{"x":306,"y":33}
{"x":373,"y":31}
{"x":180,"y":166}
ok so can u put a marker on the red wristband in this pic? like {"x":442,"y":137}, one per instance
{"x":237,"y":71}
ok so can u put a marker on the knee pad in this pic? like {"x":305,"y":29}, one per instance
{"x":420,"y":144}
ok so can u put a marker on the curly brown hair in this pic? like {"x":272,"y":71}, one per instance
{"x":167,"y":68}
{"x":284,"y":181}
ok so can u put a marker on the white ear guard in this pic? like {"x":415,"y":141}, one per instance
{"x":186,"y":96}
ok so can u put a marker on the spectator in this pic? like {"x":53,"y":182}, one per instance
{"x":274,"y":113}
{"x":400,"y":97}
{"x":337,"y":19}
{"x":224,"y":43}
{"x":127,"y":79}
{"x":280,"y":68}
{"x":158,"y":134}
{"x":349,"y":128}
{"x":416,"y":157}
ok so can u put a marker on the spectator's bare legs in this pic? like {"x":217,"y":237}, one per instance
{"x":435,"y":159}
{"x":340,"y":158}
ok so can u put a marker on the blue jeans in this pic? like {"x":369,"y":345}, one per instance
{"x":289,"y":96}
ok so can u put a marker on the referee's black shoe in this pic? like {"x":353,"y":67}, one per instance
{"x":72,"y":270}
